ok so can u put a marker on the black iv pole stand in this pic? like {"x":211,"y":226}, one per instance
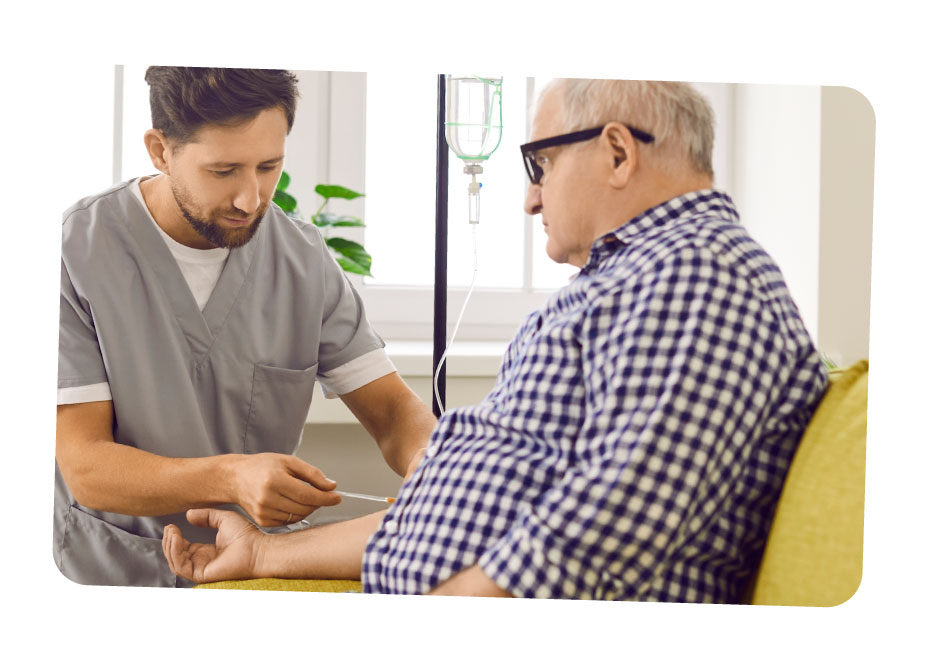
{"x":440,"y":306}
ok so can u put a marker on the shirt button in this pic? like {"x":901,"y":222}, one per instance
{"x":391,"y":526}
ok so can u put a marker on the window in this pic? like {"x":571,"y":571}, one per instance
{"x":514,"y":276}
{"x":400,"y":212}
{"x":388,"y":152}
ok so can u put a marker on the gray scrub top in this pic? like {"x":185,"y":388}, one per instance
{"x":234,"y":378}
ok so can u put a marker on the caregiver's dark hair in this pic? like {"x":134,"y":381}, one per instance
{"x":183,"y":99}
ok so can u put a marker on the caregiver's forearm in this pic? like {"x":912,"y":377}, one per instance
{"x":334,"y":551}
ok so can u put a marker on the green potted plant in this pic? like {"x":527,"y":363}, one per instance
{"x":351,"y":256}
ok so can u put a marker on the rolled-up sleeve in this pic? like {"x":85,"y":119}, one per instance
{"x":356,"y":373}
{"x":678,"y":368}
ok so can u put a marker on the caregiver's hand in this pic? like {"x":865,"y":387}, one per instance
{"x":272,"y":488}
{"x":235,"y":555}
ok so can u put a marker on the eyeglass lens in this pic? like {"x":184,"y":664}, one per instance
{"x":535,"y":172}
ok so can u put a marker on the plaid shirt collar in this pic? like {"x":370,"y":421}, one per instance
{"x":694,"y":203}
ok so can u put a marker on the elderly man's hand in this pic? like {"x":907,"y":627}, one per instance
{"x":235,"y":555}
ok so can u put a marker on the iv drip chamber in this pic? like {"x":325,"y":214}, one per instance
{"x":474,"y":196}
{"x":473,"y":190}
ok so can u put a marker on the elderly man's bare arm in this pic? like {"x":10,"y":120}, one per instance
{"x":243,"y":552}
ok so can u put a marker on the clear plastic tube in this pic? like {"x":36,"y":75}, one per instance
{"x":456,"y":327}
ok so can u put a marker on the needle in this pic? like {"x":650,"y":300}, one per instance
{"x":364,"y":496}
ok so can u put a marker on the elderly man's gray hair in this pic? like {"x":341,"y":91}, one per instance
{"x":677,"y":115}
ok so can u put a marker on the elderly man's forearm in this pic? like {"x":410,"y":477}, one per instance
{"x":333,"y":551}
{"x":470,"y":582}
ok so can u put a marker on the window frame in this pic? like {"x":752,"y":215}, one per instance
{"x":331,"y":123}
{"x":406,"y":312}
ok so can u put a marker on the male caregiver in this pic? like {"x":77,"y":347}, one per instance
{"x":195,"y":319}
{"x":637,"y":438}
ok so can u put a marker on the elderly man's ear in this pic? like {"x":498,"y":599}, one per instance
{"x":622,"y":152}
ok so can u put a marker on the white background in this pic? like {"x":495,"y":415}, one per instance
{"x":879,"y":52}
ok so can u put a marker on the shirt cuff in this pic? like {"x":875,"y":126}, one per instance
{"x":72,"y":395}
{"x":356,"y":373}
{"x":528,"y":563}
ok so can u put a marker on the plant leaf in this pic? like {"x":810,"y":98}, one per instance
{"x":350,"y":249}
{"x":350,"y":266}
{"x":322,"y":220}
{"x":286,"y":201}
{"x":333,"y":191}
{"x":284,"y":181}
{"x":348,"y":222}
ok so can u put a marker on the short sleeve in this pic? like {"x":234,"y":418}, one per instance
{"x":80,"y":362}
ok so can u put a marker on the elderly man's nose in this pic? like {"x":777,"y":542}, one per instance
{"x":533,"y":199}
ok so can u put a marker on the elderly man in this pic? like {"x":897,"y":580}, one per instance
{"x":643,"y":421}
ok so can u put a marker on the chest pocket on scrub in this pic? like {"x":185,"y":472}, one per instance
{"x":280,"y":399}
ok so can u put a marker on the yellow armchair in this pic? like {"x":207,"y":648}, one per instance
{"x":314,"y":585}
{"x":814,"y":554}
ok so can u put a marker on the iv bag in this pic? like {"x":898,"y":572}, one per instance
{"x":473,"y":126}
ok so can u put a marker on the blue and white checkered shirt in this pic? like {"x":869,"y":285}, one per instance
{"x":638,"y":435}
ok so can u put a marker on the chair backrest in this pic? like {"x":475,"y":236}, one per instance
{"x":814,"y":555}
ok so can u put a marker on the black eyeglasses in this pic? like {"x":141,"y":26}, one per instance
{"x":529,"y":150}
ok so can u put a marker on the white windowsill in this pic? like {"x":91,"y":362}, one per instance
{"x":413,"y":358}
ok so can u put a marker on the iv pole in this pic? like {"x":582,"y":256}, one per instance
{"x":440,"y":297}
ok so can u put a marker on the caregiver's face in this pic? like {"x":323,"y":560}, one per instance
{"x":224,"y":179}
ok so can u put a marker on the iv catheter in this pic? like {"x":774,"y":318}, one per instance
{"x":364,"y":496}
{"x":305,"y":523}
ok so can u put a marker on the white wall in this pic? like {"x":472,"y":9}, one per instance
{"x":92,"y":170}
{"x":803,"y":182}
{"x":776,"y":181}
{"x":847,"y":162}
{"x":307,"y":146}
{"x":721,"y":98}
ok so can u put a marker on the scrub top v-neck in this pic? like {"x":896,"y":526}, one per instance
{"x":200,"y":327}
{"x":236,"y":377}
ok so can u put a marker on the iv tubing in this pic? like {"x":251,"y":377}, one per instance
{"x":454,"y":334}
